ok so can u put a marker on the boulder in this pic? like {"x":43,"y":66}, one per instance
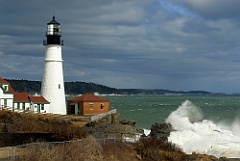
{"x":161,"y":130}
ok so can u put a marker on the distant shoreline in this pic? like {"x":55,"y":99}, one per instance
{"x":78,"y":87}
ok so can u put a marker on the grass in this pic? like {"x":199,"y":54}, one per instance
{"x":88,"y":149}
{"x":12,"y":122}
{"x":119,"y":152}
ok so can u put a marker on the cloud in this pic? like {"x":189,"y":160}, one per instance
{"x":212,"y":9}
{"x":172,"y":44}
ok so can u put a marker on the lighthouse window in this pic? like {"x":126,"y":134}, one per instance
{"x":55,"y":29}
{"x":59,"y":86}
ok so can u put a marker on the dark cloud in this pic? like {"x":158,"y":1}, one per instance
{"x":178,"y":45}
{"x":213,"y":9}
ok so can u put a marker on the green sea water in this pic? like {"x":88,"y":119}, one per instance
{"x":148,"y":109}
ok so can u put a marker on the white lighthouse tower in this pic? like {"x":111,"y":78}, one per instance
{"x":52,"y":81}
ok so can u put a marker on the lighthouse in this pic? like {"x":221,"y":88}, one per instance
{"x":52,"y":87}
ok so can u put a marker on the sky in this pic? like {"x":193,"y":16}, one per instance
{"x":178,"y":45}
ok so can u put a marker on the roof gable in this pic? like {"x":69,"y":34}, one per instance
{"x":88,"y":97}
{"x":4,"y":82}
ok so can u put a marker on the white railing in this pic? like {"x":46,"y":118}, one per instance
{"x":99,"y":116}
{"x":2,"y":107}
{"x":104,"y":137}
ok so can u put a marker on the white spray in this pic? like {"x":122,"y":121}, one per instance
{"x":194,"y":134}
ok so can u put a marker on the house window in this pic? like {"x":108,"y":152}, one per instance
{"x":5,"y":88}
{"x":91,"y":106}
{"x":23,"y":105}
{"x":5,"y":102}
{"x":42,"y":106}
{"x":101,"y":106}
{"x":18,"y":105}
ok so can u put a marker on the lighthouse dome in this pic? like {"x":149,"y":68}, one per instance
{"x":53,"y":21}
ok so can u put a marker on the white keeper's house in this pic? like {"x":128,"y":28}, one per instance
{"x":21,"y":101}
{"x":6,"y":94}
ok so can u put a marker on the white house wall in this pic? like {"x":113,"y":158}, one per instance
{"x":1,"y":92}
{"x":7,"y":96}
{"x":14,"y":105}
{"x":34,"y":108}
{"x":9,"y":102}
{"x":27,"y":106}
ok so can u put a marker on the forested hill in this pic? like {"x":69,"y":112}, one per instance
{"x":78,"y":87}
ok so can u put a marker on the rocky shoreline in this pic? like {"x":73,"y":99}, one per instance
{"x":111,"y":126}
{"x":114,"y":127}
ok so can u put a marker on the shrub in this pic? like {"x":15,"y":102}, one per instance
{"x":87,"y":149}
{"x":154,"y":149}
{"x":26,"y":122}
{"x":119,"y":152}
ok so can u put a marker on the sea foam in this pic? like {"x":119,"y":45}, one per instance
{"x":195,"y":134}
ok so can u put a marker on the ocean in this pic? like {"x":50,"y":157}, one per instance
{"x":206,"y":124}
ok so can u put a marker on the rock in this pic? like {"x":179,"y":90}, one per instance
{"x":128,"y":122}
{"x":200,"y":157}
{"x":228,"y":159}
{"x":90,"y":124}
{"x":161,"y":130}
{"x":107,"y":129}
{"x":205,"y":157}
{"x":112,"y":118}
{"x":140,"y":130}
{"x":115,"y":118}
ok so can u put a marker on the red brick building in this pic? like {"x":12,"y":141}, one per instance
{"x":88,"y":104}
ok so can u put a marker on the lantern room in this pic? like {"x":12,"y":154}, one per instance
{"x":53,"y":33}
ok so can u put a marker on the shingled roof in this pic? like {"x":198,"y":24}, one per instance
{"x":88,"y":98}
{"x":21,"y":97}
{"x":38,"y":99}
